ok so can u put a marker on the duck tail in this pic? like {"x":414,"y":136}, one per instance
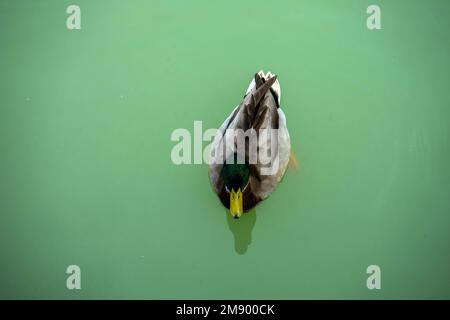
{"x":262,"y":89}
{"x":275,"y":89}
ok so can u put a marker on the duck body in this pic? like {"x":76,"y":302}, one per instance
{"x":244,"y":172}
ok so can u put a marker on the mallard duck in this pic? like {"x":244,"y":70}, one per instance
{"x":240,"y":181}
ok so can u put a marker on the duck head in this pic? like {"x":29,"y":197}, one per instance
{"x":236,"y":177}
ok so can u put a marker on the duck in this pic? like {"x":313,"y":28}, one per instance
{"x":252,"y":148}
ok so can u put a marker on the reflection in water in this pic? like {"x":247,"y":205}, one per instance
{"x":242,"y":230}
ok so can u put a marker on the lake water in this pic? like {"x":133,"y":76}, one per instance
{"x":86,"y":176}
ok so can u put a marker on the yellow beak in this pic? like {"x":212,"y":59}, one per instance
{"x":236,"y":207}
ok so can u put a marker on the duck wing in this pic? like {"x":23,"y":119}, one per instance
{"x":273,"y":143}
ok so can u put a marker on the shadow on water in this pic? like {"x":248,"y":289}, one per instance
{"x":242,"y":230}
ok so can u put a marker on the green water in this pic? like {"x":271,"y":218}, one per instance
{"x":86,"y":176}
